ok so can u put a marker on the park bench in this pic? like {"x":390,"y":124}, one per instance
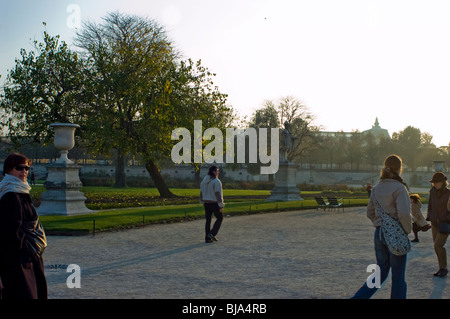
{"x":333,"y":202}
{"x":321,"y":203}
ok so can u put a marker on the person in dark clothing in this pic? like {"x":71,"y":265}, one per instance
{"x":438,"y":211}
{"x":33,"y":179}
{"x":369,"y":189}
{"x":21,"y":275}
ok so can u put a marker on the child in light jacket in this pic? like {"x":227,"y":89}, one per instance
{"x":419,"y":222}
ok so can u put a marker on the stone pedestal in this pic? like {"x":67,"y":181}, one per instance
{"x":63,"y":196}
{"x":438,"y":166}
{"x":285,"y":188}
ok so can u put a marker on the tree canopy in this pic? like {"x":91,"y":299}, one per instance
{"x":127,"y":88}
{"x":44,"y":87}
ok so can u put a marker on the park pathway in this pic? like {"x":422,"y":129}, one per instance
{"x":298,"y":254}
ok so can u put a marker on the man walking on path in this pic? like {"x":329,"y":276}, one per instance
{"x":211,"y":196}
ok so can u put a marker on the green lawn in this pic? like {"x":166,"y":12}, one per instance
{"x":94,"y":190}
{"x":133,"y":217}
{"x":100,"y":198}
{"x":132,"y":207}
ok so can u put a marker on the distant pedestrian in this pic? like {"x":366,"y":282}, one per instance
{"x":419,"y":222}
{"x":438,"y":211}
{"x":211,"y":196}
{"x":33,"y":179}
{"x":21,"y":270}
{"x":392,"y":195}
{"x":369,"y":189}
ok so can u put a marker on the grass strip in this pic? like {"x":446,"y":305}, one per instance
{"x":135,"y":217}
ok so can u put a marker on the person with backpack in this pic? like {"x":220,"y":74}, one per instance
{"x":392,"y":196}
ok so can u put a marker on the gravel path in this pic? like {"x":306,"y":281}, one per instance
{"x":299,"y":254}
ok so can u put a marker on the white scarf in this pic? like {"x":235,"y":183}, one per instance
{"x":13,"y":184}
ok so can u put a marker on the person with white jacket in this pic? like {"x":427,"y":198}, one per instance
{"x":211,"y":197}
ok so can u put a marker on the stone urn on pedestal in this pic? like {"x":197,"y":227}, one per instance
{"x":63,"y":196}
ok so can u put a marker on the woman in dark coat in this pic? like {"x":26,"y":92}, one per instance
{"x":21,"y":275}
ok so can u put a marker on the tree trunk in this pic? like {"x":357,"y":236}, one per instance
{"x":157,"y":178}
{"x":120,"y":171}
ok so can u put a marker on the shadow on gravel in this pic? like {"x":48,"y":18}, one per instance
{"x":141,"y":259}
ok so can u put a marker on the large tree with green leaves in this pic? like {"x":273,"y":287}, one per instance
{"x":140,"y":90}
{"x":127,"y":88}
{"x":126,"y":56}
{"x":44,"y":87}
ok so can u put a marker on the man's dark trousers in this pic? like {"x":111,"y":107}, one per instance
{"x":211,"y":208}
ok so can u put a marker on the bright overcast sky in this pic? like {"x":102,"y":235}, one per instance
{"x":349,"y":61}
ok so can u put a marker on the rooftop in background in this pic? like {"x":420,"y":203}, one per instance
{"x":377,"y":131}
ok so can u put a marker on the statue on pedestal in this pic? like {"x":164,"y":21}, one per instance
{"x":286,"y":142}
{"x":285,"y":188}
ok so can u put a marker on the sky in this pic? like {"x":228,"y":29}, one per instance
{"x":348,"y":61}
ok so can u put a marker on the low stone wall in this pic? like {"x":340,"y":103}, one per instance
{"x":323,"y":177}
{"x":308,"y":176}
